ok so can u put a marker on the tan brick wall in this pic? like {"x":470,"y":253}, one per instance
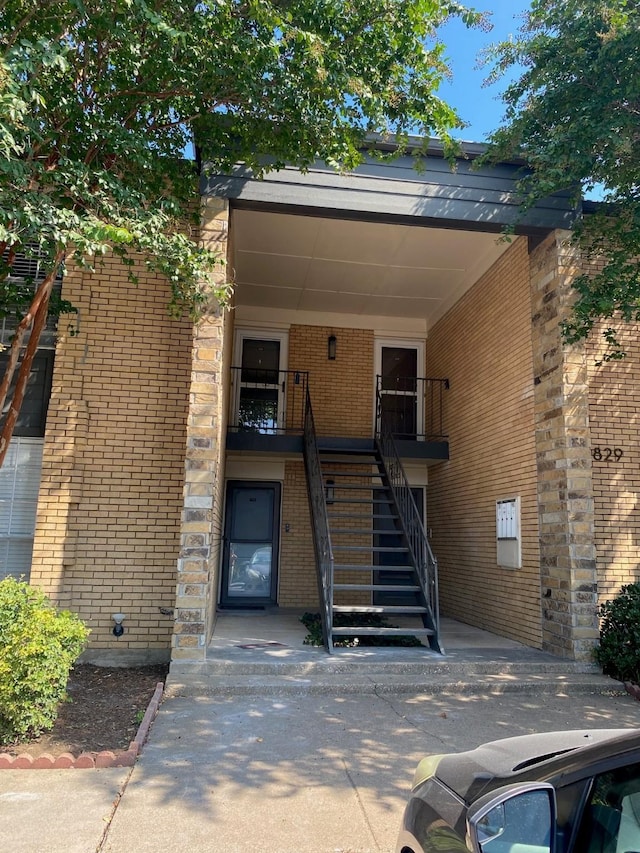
{"x":614,"y":414}
{"x":483,"y":346}
{"x":298,"y":585}
{"x":341,"y":390}
{"x":109,"y":510}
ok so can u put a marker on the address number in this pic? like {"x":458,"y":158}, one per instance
{"x":607,"y":454}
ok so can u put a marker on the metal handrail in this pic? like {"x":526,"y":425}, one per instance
{"x":269,"y":402}
{"x":418,"y":400}
{"x":319,"y":522}
{"x":423,"y":558}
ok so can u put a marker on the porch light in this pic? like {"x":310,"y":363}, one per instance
{"x":332,"y":342}
{"x":330,"y":491}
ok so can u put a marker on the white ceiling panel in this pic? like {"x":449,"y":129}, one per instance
{"x":315,"y":264}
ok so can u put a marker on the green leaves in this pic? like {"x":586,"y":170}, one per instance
{"x":619,"y":650}
{"x":99,"y":99}
{"x":573,"y":114}
{"x":98,"y":102}
{"x":38,"y":647}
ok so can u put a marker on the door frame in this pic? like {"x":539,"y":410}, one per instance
{"x":259,"y":334}
{"x":401,"y":343}
{"x":229,"y":602}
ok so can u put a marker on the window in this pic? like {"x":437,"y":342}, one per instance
{"x":611,"y":821}
{"x":19,"y":485}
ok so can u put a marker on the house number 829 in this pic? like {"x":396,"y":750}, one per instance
{"x":606,"y":454}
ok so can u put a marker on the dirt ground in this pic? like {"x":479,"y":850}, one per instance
{"x":104,"y":709}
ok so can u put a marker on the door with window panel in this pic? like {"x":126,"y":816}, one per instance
{"x":400,"y":407}
{"x":260,"y":395}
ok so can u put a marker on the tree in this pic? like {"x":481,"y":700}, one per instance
{"x":99,"y":99}
{"x":573,"y":114}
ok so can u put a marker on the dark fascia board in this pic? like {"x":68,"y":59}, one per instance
{"x":393,"y":190}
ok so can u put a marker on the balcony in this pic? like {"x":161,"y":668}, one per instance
{"x":267,"y":413}
{"x":267,"y":409}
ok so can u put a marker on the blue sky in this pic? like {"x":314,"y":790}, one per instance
{"x":478,"y":105}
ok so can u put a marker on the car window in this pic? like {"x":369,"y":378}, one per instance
{"x":611,"y":820}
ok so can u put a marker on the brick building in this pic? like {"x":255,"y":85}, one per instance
{"x":174,"y":472}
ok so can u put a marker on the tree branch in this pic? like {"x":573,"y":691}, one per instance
{"x":36,"y":318}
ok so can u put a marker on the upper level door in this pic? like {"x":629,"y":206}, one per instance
{"x":259,"y":386}
{"x":399,"y":369}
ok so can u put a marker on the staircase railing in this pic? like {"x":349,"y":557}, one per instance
{"x":319,"y":523}
{"x":423,"y":558}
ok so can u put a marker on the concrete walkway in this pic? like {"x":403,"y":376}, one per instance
{"x":319,"y":772}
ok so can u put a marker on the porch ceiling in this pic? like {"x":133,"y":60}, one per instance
{"x":311,"y":263}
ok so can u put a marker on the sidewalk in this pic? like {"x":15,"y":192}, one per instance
{"x":319,"y":772}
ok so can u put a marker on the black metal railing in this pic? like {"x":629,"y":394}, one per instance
{"x":422,"y":556}
{"x":413,"y":407}
{"x":319,"y":523}
{"x":267,"y":401}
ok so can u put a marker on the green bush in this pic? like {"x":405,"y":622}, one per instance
{"x":38,"y":647}
{"x":619,"y":651}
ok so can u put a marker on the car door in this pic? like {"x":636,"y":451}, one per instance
{"x":610,"y":820}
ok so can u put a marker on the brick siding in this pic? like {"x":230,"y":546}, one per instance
{"x":109,"y":510}
{"x":483,"y":346}
{"x":614,"y":414}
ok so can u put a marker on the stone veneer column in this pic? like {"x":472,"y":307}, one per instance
{"x":565,"y":491}
{"x":204,"y":464}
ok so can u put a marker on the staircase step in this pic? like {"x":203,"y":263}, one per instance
{"x":361,"y":461}
{"x":375,"y":587}
{"x":362,"y":531}
{"x":368,"y":501}
{"x":383,"y":632}
{"x":376,"y":549}
{"x":351,"y":473}
{"x":398,"y":610}
{"x":368,"y":487}
{"x":371,"y":567}
{"x":363,"y":516}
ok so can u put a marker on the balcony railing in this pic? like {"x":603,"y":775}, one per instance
{"x":268,"y":402}
{"x":411,"y":408}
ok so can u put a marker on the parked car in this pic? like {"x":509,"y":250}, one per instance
{"x":561,"y":792}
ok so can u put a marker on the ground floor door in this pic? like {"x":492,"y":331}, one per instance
{"x":387,"y":536}
{"x":250,"y":552}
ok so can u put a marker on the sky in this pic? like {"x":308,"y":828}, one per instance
{"x":478,"y":105}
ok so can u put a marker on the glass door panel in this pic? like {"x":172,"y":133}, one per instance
{"x":249,"y":565}
{"x":399,"y":390}
{"x":260,"y":397}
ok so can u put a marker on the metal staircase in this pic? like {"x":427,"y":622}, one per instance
{"x":372,"y":554}
{"x":373,"y":567}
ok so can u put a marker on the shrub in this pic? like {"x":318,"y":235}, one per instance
{"x":619,"y":651}
{"x":38,"y":646}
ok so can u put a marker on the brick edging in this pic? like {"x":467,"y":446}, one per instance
{"x":632,"y":689}
{"x":90,"y":760}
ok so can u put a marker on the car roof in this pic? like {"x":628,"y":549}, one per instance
{"x":537,"y":757}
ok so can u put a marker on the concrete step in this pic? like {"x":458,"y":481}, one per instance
{"x":421,"y":663}
{"x":433,"y":685}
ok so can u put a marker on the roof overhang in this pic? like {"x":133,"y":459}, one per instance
{"x":385,"y":241}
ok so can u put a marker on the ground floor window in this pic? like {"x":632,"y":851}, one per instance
{"x":19,"y":486}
